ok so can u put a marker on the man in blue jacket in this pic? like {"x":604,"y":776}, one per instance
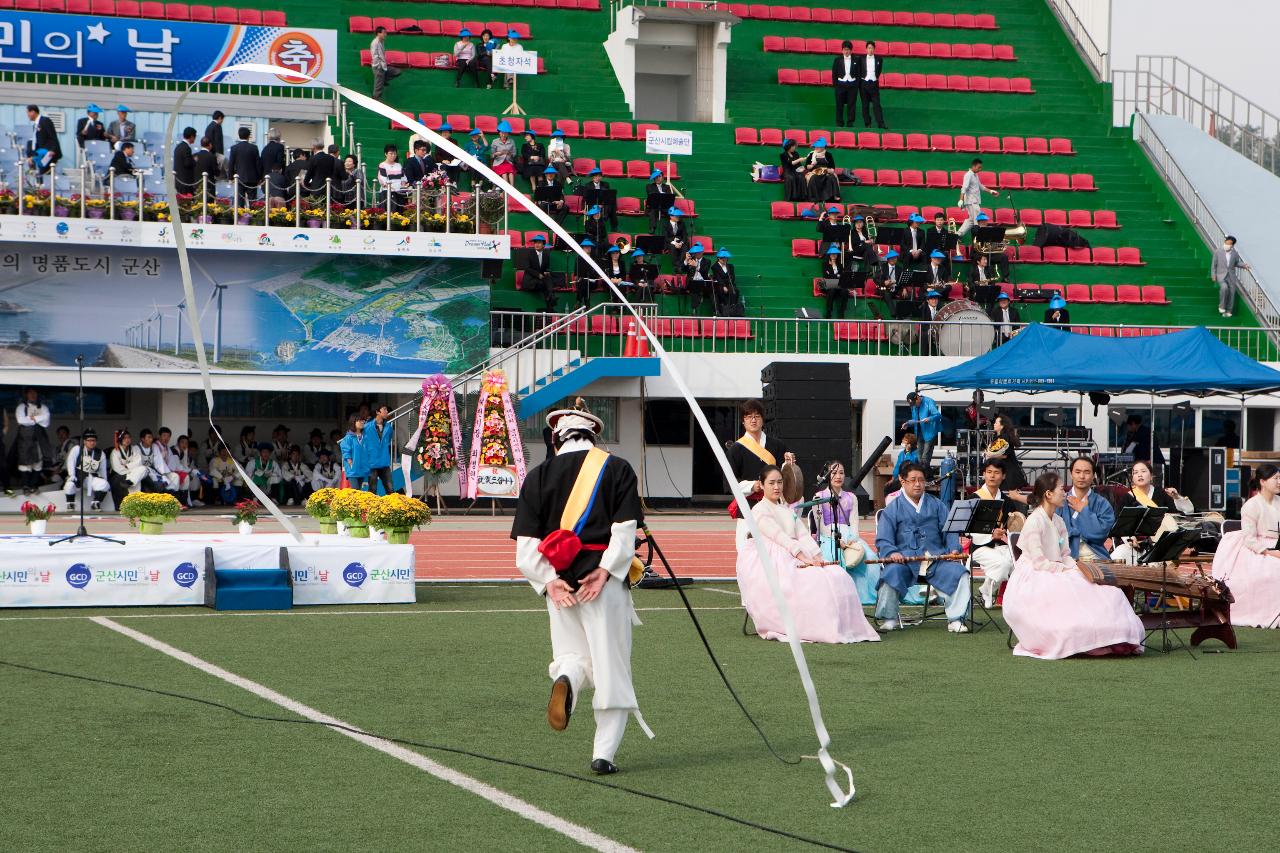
{"x":1087,"y":514}
{"x":378,"y":437}
{"x":351,"y":448}
{"x":926,"y":422}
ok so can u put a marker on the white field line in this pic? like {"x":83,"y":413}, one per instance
{"x":499,"y":798}
{"x":278,"y":613}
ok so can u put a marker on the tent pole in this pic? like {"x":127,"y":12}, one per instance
{"x":1244,"y":413}
{"x":1155,"y":448}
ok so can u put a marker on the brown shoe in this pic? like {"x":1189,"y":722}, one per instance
{"x":561,"y":704}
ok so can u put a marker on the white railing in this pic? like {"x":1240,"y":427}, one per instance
{"x":69,"y":81}
{"x":1201,"y":216}
{"x":1166,"y":85}
{"x":1098,"y":60}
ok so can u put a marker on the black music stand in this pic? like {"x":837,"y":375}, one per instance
{"x":966,"y":518}
{"x":1137,"y":521}
{"x":987,"y":294}
{"x":83,"y":492}
{"x":606,"y":198}
{"x":1165,"y":551}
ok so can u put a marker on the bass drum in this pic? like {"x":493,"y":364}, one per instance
{"x":964,"y":329}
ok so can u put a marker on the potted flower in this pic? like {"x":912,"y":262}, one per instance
{"x":398,"y":515}
{"x":127,"y":210}
{"x":8,"y":202}
{"x":314,"y":217}
{"x":246,"y":515}
{"x":349,"y":506}
{"x":281,"y":216}
{"x":149,"y":511}
{"x":319,"y":507}
{"x":95,"y":208}
{"x":37,"y":517}
{"x":155,"y":210}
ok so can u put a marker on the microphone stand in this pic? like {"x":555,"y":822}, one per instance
{"x":82,"y":492}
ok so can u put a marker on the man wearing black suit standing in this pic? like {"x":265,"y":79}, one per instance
{"x":184,"y":162}
{"x":206,"y":166}
{"x":321,"y":167}
{"x":89,"y":128}
{"x":844,"y":77}
{"x":46,"y":139}
{"x":537,"y":271}
{"x":244,"y":162}
{"x":272,"y":152}
{"x":214,"y":132}
{"x":869,"y":70}
{"x":419,"y":165}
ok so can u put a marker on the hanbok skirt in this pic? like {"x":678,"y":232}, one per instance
{"x":823,"y":599}
{"x":1254,"y":580}
{"x":865,"y":578}
{"x":1059,"y":614}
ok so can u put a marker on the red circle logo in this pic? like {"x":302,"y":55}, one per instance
{"x":298,"y":51}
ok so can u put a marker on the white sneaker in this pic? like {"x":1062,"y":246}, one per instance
{"x":1223,"y":313}
{"x":958,"y":627}
{"x":1227,"y":314}
{"x":888,"y":625}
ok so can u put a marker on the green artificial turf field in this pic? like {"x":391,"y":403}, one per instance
{"x":956,"y":745}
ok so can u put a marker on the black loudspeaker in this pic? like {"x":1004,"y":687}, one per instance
{"x":805,"y":389}
{"x":808,"y":406}
{"x":491,"y":269}
{"x":783,"y":371}
{"x":1200,"y":473}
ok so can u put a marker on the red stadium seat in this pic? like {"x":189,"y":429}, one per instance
{"x":1153,"y":294}
{"x":1080,"y":219}
{"x":915,"y":81}
{"x":1004,"y":52}
{"x":460,"y":122}
{"x":540,"y":126}
{"x":487,"y":124}
{"x":103,"y":7}
{"x":770,"y":136}
{"x":966,"y":145}
{"x":892,"y":81}
{"x":1105,"y":219}
{"x":1079,"y":294}
{"x":957,"y":82}
{"x":815,"y":135}
{"x":804,"y":248}
{"x":1083,"y":182}
{"x":1079,"y":255}
{"x":988,"y":145}
{"x":177,"y":11}
{"x":1005,"y":216}
{"x":964,"y":21}
{"x":984,"y":21}
{"x":1010,"y":180}
{"x":882,"y":18}
{"x":1031,"y":216}
{"x":810,"y":77}
{"x":940,"y":50}
{"x":582,"y":165}
{"x":779,"y":13}
{"x":1058,"y":145}
{"x":904,"y":19}
{"x":1033,"y":181}
{"x":1103,"y":294}
{"x":957,"y":178}
{"x":397,"y":59}
{"x":978,"y":83}
{"x":420,"y":59}
{"x":888,"y":178}
{"x":629,"y":206}
{"x":612,"y":168}
{"x":800,"y":136}
{"x":450,"y":28}
{"x":1052,"y":216}
{"x":1037,"y":145}
{"x":388,"y":23}
{"x":1013,"y":145}
{"x":912,"y":178}
{"x":844,"y":139}
{"x":982,"y":50}
{"x":429,"y":26}
{"x":793,"y":44}
{"x":672,"y":171}
{"x":1021,"y":86}
{"x":1128,"y":294}
{"x":594,"y":130}
{"x":800,"y":13}
{"x":746,"y":136}
{"x":868,"y":140}
{"x":1129,"y":257}
{"x":78,"y":7}
{"x":937,"y":142}
{"x":569,"y":127}
{"x":360,"y":24}
{"x":788,"y":77}
{"x":917,"y":142}
{"x":1054,"y":255}
{"x":1058,"y":181}
{"x":892,"y":142}
{"x":936,"y":82}
{"x":758,"y":11}
{"x":815,"y":45}
{"x":223,"y":15}
{"x":782,"y":210}
{"x":867,"y":176}
{"x":253,"y":18}
{"x":152,"y":10}
{"x":919,"y":50}
{"x":773,"y":44}
{"x":1104,"y":256}
{"x":638,"y":169}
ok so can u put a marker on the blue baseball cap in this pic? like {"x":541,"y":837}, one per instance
{"x":655,"y":174}
{"x":835,"y":208}
{"x":593,"y":210}
{"x":595,"y":171}
{"x":859,"y":219}
{"x":674,"y":211}
{"x":821,"y":143}
{"x":933,"y":294}
{"x":586,"y":243}
{"x":550,"y":170}
{"x":475,"y":131}
{"x":512,"y":34}
{"x":93,"y":108}
{"x":445,"y":126}
{"x":1057,"y":302}
{"x":121,"y":108}
{"x":465,"y":33}
{"x":557,"y":132}
{"x":530,"y":132}
{"x":538,"y":238}
{"x":695,"y":248}
{"x":936,"y":254}
{"x":504,"y":127}
{"x":613,"y":249}
{"x":833,"y":250}
{"x":1002,"y":295}
{"x":638,"y":253}
{"x":723,"y":253}
{"x":982,"y":217}
{"x":892,"y":254}
{"x":915,"y":217}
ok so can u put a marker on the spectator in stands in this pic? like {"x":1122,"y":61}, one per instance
{"x":244,"y":164}
{"x":264,"y":471}
{"x":591,"y":195}
{"x":676,"y":236}
{"x":1057,"y":314}
{"x":44,"y":149}
{"x":272,"y":152}
{"x":979,"y":275}
{"x":191,"y":480}
{"x":597,"y":230}
{"x":820,"y":172}
{"x":450,"y":164}
{"x":323,"y":169}
{"x":122,"y":162}
{"x":478,"y":147}
{"x":502,"y":152}
{"x":295,"y":478}
{"x":1006,"y":318}
{"x":513,"y":44}
{"x":888,"y":277}
{"x":121,"y":130}
{"x":209,"y":448}
{"x":311,"y":450}
{"x":615,"y":266}
{"x":936,"y":238}
{"x":354,"y":187}
{"x":280,"y":444}
{"x":658,"y":198}
{"x":869,"y":70}
{"x":971,"y":195}
{"x":794,"y":186}
{"x":1225,"y":263}
{"x":382,"y":73}
{"x":300,"y":160}
{"x":391,"y":181}
{"x":248,"y":444}
{"x":225,"y":477}
{"x":537,"y":271}
{"x":938,"y":273}
{"x":560,"y":155}
{"x":127,"y":472}
{"x":844,"y":77}
{"x":642,"y":276}
{"x":697,"y":270}
{"x":206,"y":167}
{"x":464,"y":59}
{"x":549,"y":196}
{"x":836,"y":278}
{"x":89,"y":128}
{"x":62,"y":446}
{"x":419,"y":165}
{"x":214,"y":132}
{"x":913,"y":243}
{"x":533,"y":159}
{"x":724,"y":280}
{"x":152,"y":456}
{"x":484,"y":56}
{"x":89,"y":477}
{"x":184,"y":162}
{"x":325,"y":474}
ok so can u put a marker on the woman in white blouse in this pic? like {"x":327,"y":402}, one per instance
{"x":1054,"y":610}
{"x":391,"y":177}
{"x":821,"y":596}
{"x":1248,"y":560}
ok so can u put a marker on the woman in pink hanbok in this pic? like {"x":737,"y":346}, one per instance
{"x":1248,"y":560}
{"x":822,"y":597}
{"x":1054,"y":610}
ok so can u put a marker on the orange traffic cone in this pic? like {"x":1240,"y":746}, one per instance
{"x":629,"y":348}
{"x":642,"y":346}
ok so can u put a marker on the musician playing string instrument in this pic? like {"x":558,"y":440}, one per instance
{"x":1249,"y":559}
{"x":911,"y":526}
{"x":750,"y":453}
{"x":1051,"y":606}
{"x":991,"y":550}
{"x":1088,"y":516}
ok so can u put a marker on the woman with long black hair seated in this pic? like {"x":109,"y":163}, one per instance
{"x":794,"y":187}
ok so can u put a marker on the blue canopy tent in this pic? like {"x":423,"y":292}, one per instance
{"x":1191,"y":362}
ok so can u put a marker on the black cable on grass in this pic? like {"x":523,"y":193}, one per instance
{"x":437,"y":748}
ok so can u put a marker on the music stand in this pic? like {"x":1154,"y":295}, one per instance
{"x":967,"y":518}
{"x":986,"y":294}
{"x":1137,"y":521}
{"x":83,"y":492}
{"x":1168,"y":549}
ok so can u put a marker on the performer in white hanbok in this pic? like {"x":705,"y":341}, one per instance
{"x":31,"y":447}
{"x":225,"y":477}
{"x":326,"y":474}
{"x":127,"y":474}
{"x":991,"y":550}
{"x":295,"y":478}
{"x":86,"y":473}
{"x":1249,"y":559}
{"x":575,"y":532}
{"x":152,"y":456}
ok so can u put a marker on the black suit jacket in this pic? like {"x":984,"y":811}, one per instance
{"x":933,"y":240}
{"x":837,"y":69}
{"x":665,"y":189}
{"x":272,"y":155}
{"x":862,"y":67}
{"x":882,"y":276}
{"x":643,"y":273}
{"x":214,"y":132}
{"x":676,"y":231}
{"x":47,"y":137}
{"x":297,"y":167}
{"x":621,"y":273}
{"x":974,"y":281}
{"x":321,"y":166}
{"x":415,"y":170}
{"x":206,"y":164}
{"x":724,"y":276}
{"x":924,"y":311}
{"x":994,"y":314}
{"x":245,"y":162}
{"x":534,"y":267}
{"x":597,"y":230}
{"x":121,"y":164}
{"x":1063,"y":320}
{"x":184,"y":167}
{"x":89,"y":129}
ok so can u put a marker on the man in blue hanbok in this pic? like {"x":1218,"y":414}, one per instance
{"x":911,"y":526}
{"x":1087,"y":514}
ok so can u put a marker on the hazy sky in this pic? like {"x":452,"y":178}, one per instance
{"x":1230,"y":40}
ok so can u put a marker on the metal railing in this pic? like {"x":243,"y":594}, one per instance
{"x":1167,"y":85}
{"x":1184,"y":190}
{"x":67,"y":81}
{"x":1098,"y":60}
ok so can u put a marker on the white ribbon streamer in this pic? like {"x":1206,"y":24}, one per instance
{"x":840,"y":797}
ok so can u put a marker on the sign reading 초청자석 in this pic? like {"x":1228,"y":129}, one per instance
{"x":515,"y":61}
{"x":162,"y":50}
{"x":668,"y":142}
